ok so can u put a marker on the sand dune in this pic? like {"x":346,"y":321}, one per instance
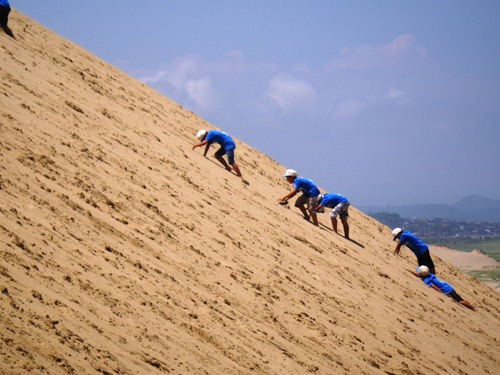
{"x":471,"y":261}
{"x":125,"y":252}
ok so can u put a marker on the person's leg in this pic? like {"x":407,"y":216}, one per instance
{"x":426,"y":260}
{"x":315,"y":218}
{"x":312,"y":202}
{"x":304,"y":212}
{"x":4,"y":20}
{"x":232,"y":163}
{"x":334,"y":214}
{"x":456,"y":297}
{"x":236,"y":169}
{"x":432,"y":269}
{"x":238,"y":173}
{"x":230,"y":159}
{"x":334,"y":224}
{"x":343,"y":213}
{"x":346,"y":227}
{"x":300,"y":204}
{"x":467,"y":304}
{"x":218,"y":155}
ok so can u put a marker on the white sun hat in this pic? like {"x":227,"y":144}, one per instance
{"x":201,"y":134}
{"x":290,"y":173}
{"x":395,"y":232}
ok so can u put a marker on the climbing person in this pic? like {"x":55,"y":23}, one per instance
{"x":309,"y":196}
{"x":416,"y":245}
{"x":227,"y":147}
{"x":432,"y":281}
{"x":340,"y":207}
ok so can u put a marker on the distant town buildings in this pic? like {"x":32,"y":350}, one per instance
{"x":440,"y":228}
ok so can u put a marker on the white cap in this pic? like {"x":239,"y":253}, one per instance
{"x":290,"y":173}
{"x":423,"y":271}
{"x":395,"y":232}
{"x":201,"y":134}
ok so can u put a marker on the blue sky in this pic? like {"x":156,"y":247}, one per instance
{"x":386,"y":102}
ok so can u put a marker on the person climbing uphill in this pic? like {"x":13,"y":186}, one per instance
{"x":340,"y":207}
{"x":432,"y":281}
{"x":309,"y":195}
{"x":417,"y":246}
{"x":227,"y":147}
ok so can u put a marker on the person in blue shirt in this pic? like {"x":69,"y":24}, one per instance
{"x":309,"y":197}
{"x":4,"y":17}
{"x":432,"y":281}
{"x":227,"y":147}
{"x":417,"y":246}
{"x":340,"y":206}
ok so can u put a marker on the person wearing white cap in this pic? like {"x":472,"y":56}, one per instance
{"x":441,"y":286}
{"x":416,"y":245}
{"x":309,"y":196}
{"x":227,"y":147}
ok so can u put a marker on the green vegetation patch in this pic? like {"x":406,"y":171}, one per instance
{"x":489,"y":246}
{"x":487,"y":274}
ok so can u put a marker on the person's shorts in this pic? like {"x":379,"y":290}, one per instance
{"x":454,"y":295}
{"x":340,"y":210}
{"x":311,"y":202}
{"x":229,"y":154}
{"x":426,"y":260}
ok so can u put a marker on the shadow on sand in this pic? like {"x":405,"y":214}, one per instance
{"x":356,"y":242}
{"x":230,"y":171}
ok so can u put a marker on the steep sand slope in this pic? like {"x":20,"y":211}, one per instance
{"x":124,"y":251}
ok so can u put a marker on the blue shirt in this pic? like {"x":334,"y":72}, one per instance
{"x":413,"y":243}
{"x":433,"y":280}
{"x":5,"y":3}
{"x":306,"y":187}
{"x":215,"y":136}
{"x":331,"y":200}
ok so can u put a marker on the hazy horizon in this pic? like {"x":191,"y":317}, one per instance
{"x":443,"y":203}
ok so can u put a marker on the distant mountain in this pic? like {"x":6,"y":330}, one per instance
{"x":470,"y":208}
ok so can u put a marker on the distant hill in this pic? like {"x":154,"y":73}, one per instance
{"x":470,"y":208}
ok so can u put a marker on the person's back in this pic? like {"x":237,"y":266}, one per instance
{"x":431,"y":280}
{"x":416,"y":245}
{"x":223,"y":139}
{"x":331,"y":200}
{"x":306,"y":187}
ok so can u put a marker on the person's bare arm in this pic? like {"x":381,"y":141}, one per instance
{"x":398,"y":248}
{"x":414,"y":273}
{"x":291,"y":194}
{"x":200,"y":144}
{"x":436,"y":288}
